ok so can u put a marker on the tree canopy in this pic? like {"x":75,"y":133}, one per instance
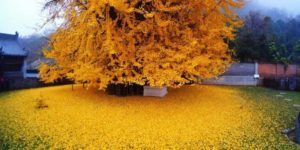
{"x":147,"y":42}
{"x":265,"y":40}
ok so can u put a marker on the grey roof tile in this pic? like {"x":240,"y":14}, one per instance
{"x":10,"y":46}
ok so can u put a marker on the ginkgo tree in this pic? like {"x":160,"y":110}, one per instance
{"x":146,"y":42}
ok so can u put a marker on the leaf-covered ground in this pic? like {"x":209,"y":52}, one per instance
{"x":192,"y":117}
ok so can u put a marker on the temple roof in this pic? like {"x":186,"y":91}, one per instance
{"x":9,"y":45}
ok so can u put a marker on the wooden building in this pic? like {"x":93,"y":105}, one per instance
{"x":12,"y":57}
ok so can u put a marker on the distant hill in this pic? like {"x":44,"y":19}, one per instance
{"x":34,"y":44}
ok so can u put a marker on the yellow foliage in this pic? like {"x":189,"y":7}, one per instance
{"x":159,"y":43}
{"x":196,"y":117}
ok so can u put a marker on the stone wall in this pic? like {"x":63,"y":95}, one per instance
{"x":242,"y":69}
{"x":237,"y":74}
{"x":234,"y":80}
{"x":20,"y":83}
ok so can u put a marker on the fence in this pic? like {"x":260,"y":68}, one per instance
{"x":280,"y":77}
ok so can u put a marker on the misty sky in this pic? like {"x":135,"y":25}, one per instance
{"x":290,"y":6}
{"x":25,"y":15}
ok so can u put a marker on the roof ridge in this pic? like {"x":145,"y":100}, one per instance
{"x":6,"y":36}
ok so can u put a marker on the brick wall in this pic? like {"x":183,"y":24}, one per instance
{"x":277,"y":70}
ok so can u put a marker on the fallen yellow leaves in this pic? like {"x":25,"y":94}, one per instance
{"x":193,"y":117}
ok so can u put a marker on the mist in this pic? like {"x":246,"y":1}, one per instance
{"x":290,"y":6}
{"x":275,"y":9}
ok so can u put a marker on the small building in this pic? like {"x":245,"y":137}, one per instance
{"x":12,"y":57}
{"x":32,"y":69}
